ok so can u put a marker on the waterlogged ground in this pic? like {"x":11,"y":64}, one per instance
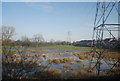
{"x":58,"y":63}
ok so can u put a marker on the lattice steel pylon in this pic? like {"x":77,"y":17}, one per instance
{"x":104,"y":29}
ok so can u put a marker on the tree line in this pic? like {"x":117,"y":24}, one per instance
{"x":9,"y":32}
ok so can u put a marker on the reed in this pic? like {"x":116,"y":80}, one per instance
{"x":67,"y":66}
{"x":56,"y":61}
{"x":54,"y":72}
{"x":79,"y":74}
{"x":50,"y":61}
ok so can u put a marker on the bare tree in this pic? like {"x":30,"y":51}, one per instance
{"x":25,"y":39}
{"x":7,"y":32}
{"x":38,"y":38}
{"x":52,"y":40}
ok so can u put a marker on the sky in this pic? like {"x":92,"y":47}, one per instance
{"x":51,"y":19}
{"x":0,"y":13}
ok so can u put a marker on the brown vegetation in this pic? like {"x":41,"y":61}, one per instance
{"x":61,"y":60}
{"x":83,"y":56}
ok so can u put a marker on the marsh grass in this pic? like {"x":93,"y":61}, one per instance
{"x":83,"y":55}
{"x":55,"y":54}
{"x":112,"y":56}
{"x":66,"y":47}
{"x":67,"y":66}
{"x":56,"y":61}
{"x":115,"y":71}
{"x":49,"y":74}
{"x":78,"y":61}
{"x":79,"y":74}
{"x":40,"y":51}
{"x":61,"y":60}
{"x":55,"y":73}
{"x":28,"y":55}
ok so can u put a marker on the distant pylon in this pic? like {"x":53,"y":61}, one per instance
{"x":69,"y":37}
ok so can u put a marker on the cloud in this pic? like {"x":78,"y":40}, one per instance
{"x":44,"y":6}
{"x":47,"y":6}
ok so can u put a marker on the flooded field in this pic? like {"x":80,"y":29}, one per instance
{"x":55,"y":63}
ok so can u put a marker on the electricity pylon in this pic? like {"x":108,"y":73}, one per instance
{"x":69,"y":37}
{"x":103,"y":29}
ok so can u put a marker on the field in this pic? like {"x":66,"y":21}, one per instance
{"x":66,"y":47}
{"x":56,"y":62}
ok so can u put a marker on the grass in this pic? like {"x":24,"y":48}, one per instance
{"x":54,"y":72}
{"x":28,"y":55}
{"x":83,"y":55}
{"x":79,"y":74}
{"x":112,"y":55}
{"x":39,"y":51}
{"x":66,"y":47}
{"x":61,"y":60}
{"x":55,"y":54}
{"x":67,"y":66}
{"x":8,"y":51}
{"x":0,"y":51}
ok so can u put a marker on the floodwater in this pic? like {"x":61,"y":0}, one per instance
{"x":62,"y":54}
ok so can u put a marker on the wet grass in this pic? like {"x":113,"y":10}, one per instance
{"x":66,"y":47}
{"x":0,"y":51}
{"x":10,"y":51}
{"x":40,"y":51}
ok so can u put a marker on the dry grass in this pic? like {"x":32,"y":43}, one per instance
{"x":82,"y":73}
{"x":78,"y":61}
{"x":54,"y":72}
{"x":112,"y":56}
{"x":50,"y":61}
{"x":68,"y":60}
{"x":18,"y":60}
{"x":79,"y":74}
{"x":61,"y":60}
{"x":82,"y":56}
{"x":115,"y":72}
{"x":67,"y":66}
{"x":38,"y":64}
{"x":55,"y":54}
{"x":28,"y":55}
{"x":91,"y":68}
{"x":15,"y":56}
{"x":56,"y":61}
{"x":72,"y":62}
